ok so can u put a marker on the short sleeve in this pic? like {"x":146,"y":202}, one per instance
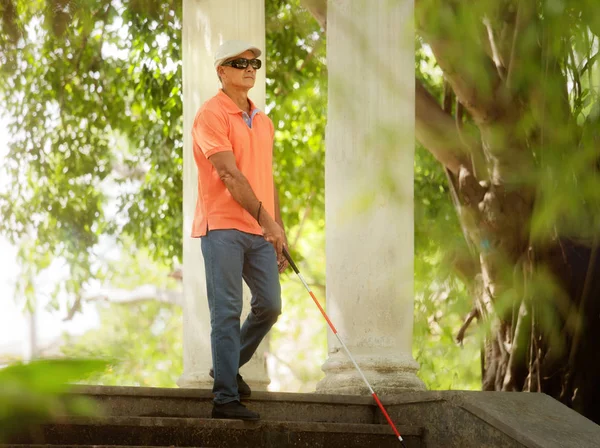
{"x":210,"y":133}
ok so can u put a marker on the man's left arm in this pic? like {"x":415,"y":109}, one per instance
{"x":282,"y":261}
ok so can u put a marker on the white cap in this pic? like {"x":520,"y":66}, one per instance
{"x":232,"y":48}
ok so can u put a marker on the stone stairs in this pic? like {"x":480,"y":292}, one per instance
{"x":154,"y":417}
{"x":188,"y":432}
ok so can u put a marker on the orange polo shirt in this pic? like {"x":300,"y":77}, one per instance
{"x":220,"y":126}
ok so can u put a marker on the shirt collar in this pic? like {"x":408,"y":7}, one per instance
{"x":231,"y":107}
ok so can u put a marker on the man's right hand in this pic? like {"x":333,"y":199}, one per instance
{"x":273,"y":233}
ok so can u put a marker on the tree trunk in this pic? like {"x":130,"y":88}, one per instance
{"x":549,"y":343}
{"x":541,"y":304}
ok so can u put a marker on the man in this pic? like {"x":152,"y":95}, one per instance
{"x":239,"y":222}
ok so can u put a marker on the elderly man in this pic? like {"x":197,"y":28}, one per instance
{"x":238,"y":220}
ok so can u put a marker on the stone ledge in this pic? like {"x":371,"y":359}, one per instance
{"x":531,"y":420}
{"x":207,"y":394}
{"x":161,"y":431}
{"x":29,"y":445}
{"x":154,"y":422}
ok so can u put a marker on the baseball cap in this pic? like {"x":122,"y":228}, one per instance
{"x":231,"y":48}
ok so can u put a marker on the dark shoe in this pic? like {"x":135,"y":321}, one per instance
{"x":234,"y":410}
{"x":243,"y":388}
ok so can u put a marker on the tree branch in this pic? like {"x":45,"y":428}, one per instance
{"x":122,"y":171}
{"x":463,"y":329}
{"x":142,"y":293}
{"x":466,"y":66}
{"x":318,"y":9}
{"x":139,"y":294}
{"x":436,"y":131}
{"x":307,"y":211}
{"x":310,"y":55}
{"x":516,"y":369}
{"x":496,"y":55}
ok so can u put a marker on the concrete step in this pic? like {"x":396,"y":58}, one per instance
{"x":188,"y":432}
{"x":161,"y":402}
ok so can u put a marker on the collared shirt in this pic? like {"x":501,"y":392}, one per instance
{"x":220,"y":125}
{"x":248,"y":118}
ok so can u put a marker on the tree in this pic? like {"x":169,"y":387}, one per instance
{"x":93,"y":89}
{"x":517,"y":134}
{"x":84,"y":141}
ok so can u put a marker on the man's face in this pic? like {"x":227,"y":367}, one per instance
{"x":236,"y":77}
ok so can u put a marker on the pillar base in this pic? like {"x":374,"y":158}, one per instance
{"x":256,"y":377}
{"x":388,"y":375}
{"x":195,"y":380}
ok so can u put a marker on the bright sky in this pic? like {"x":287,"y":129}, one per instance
{"x":13,"y":324}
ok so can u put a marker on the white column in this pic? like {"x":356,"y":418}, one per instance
{"x":369,"y":195}
{"x":206,"y":24}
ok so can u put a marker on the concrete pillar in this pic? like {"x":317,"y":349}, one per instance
{"x":206,"y":24}
{"x":369,"y":195}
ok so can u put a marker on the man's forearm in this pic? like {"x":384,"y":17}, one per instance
{"x":242,"y":192}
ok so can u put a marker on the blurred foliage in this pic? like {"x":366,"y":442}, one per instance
{"x":298,"y":343}
{"x":93,"y":92}
{"x":441,"y":299}
{"x":32,"y":392}
{"x":144,"y":339}
{"x":297,"y":103}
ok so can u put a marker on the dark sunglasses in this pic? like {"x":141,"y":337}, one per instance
{"x":243,"y":63}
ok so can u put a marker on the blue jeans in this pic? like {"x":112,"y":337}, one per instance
{"x":229,"y":257}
